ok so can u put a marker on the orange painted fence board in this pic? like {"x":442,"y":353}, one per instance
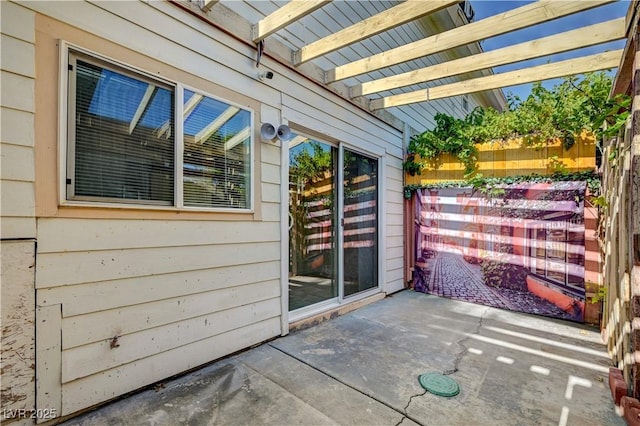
{"x":510,"y":158}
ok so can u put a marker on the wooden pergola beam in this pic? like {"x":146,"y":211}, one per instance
{"x":206,"y":5}
{"x":525,"y":16}
{"x":405,"y":12}
{"x":575,"y":66}
{"x":287,"y":14}
{"x":563,"y":42}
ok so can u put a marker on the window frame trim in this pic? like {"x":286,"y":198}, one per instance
{"x":66,"y":129}
{"x":182,"y":88}
{"x":532,"y":230}
{"x":72,"y":59}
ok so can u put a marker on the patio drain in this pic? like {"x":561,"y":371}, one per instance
{"x":438,"y":384}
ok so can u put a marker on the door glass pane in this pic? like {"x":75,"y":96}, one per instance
{"x":312,"y":222}
{"x":360,"y":232}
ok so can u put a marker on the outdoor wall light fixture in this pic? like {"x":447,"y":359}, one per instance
{"x":269,"y":132}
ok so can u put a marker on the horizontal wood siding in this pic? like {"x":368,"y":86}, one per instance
{"x":17,"y":103}
{"x":104,"y":295}
{"x":132,"y":291}
{"x":17,"y":209}
{"x":91,"y":358}
{"x":66,"y":268}
{"x":143,"y":299}
{"x":142,"y":234}
{"x":113,"y":382}
{"x":104,"y":325}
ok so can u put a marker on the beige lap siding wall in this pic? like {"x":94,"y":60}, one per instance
{"x":138,"y":295}
{"x":128,"y":296}
{"x":17,"y":208}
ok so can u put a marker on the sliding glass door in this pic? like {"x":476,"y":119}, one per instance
{"x":333,"y":222}
{"x":312,"y":222}
{"x":360,"y":229}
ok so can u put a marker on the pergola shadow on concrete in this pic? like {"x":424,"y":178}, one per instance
{"x":359,"y":368}
{"x":363,"y":368}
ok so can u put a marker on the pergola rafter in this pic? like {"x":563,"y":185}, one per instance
{"x":563,"y":42}
{"x":206,"y":5}
{"x":525,"y":16}
{"x":287,"y":14}
{"x":597,"y":62}
{"x":473,"y":33}
{"x":383,"y":21}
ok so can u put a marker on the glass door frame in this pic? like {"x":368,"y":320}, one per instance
{"x":370,"y":151}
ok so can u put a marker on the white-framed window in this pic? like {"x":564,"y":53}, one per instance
{"x":134,"y":139}
{"x":556,"y":250}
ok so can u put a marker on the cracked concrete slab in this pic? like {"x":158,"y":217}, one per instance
{"x":512,"y":368}
{"x":363,"y":368}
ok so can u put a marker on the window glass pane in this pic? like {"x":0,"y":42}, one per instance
{"x":556,"y":245}
{"x":124,"y":146}
{"x":575,"y":254}
{"x":538,"y":251}
{"x":217,"y":153}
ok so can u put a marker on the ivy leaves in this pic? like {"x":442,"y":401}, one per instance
{"x":569,"y":108}
{"x":451,"y":135}
{"x":492,"y":186}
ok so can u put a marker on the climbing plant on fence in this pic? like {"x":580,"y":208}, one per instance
{"x":493,"y":186}
{"x":569,"y":108}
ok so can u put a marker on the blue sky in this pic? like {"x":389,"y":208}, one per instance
{"x":486,"y":8}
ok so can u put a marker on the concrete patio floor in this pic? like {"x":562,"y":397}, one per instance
{"x":362,"y":369}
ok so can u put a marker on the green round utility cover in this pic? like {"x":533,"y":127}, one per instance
{"x":438,"y":384}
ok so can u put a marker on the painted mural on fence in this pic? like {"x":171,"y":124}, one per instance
{"x":519,"y":247}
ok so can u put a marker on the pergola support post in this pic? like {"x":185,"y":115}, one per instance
{"x":633,"y":216}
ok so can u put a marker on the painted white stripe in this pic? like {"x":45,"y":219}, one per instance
{"x":564,"y":416}
{"x":575,"y":348}
{"x":502,"y":343}
{"x":540,"y":370}
{"x":576,"y":381}
{"x":505,"y":360}
{"x":543,"y":354}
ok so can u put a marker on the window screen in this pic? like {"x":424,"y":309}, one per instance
{"x":217,"y":141}
{"x":122,"y":141}
{"x":119,"y":151}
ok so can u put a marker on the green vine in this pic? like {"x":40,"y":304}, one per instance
{"x":488,"y":184}
{"x":569,"y":108}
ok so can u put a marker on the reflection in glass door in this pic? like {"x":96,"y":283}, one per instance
{"x":333,"y":227}
{"x":360,"y":230}
{"x":312,"y":222}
